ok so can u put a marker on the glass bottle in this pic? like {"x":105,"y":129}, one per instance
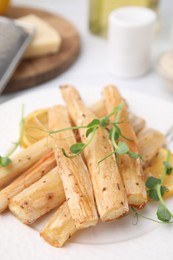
{"x":99,"y":11}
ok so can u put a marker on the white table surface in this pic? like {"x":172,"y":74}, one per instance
{"x":90,"y":69}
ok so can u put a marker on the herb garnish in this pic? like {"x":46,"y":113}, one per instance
{"x":77,"y":148}
{"x":156,"y":192}
{"x":5,"y":160}
{"x":114,"y":135}
{"x":138,"y":214}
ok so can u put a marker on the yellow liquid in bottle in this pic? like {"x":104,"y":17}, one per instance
{"x":4,"y":6}
{"x":99,"y":11}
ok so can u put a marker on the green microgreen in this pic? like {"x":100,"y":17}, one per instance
{"x":91,"y":129}
{"x":152,"y":182}
{"x":134,"y":155}
{"x":156,"y":191}
{"x":115,"y":134}
{"x":122,"y":148}
{"x":168,"y":167}
{"x":77,"y":148}
{"x":94,"y":123}
{"x":5,"y":160}
{"x":104,"y":121}
{"x":138,"y":214}
{"x":163,"y":213}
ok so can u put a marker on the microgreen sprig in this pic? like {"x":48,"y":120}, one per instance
{"x":114,"y":134}
{"x":156,"y":191}
{"x":138,"y":214}
{"x":5,"y":160}
{"x":77,"y":148}
{"x":91,"y":129}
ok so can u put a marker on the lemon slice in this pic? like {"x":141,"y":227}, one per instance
{"x":156,"y":168}
{"x":35,"y":127}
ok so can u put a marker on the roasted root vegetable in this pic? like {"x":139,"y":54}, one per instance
{"x":33,"y":174}
{"x":60,"y":227}
{"x":39,"y":198}
{"x":150,"y":141}
{"x":22,"y":161}
{"x":130,"y":168}
{"x":137,"y":122}
{"x":74,"y":173}
{"x":99,"y":108}
{"x":94,"y":163}
{"x":109,"y":191}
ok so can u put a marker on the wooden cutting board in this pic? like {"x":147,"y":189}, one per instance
{"x":33,"y":72}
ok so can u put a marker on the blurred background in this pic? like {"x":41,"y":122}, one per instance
{"x":91,"y":63}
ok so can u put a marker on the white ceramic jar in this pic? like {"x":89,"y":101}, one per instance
{"x":130,"y":36}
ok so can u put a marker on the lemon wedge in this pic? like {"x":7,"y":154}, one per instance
{"x":35,"y":127}
{"x":156,"y":168}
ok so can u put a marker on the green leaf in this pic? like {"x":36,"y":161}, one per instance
{"x":163,"y":213}
{"x":133,"y":155}
{"x":152,"y":193}
{"x":122,"y":148}
{"x":4,"y":161}
{"x":152,"y":182}
{"x":116,"y":135}
{"x":77,"y":148}
{"x":94,"y":123}
{"x":163,"y":189}
{"x":115,"y":132}
{"x":168,"y":168}
{"x":89,"y":131}
{"x":104,"y":121}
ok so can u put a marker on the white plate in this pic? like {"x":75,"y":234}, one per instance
{"x":117,"y":240}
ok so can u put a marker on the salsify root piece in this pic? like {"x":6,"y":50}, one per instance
{"x":33,"y":174}
{"x":150,"y":141}
{"x":39,"y":198}
{"x":99,"y":109}
{"x":60,"y":227}
{"x":74,"y":173}
{"x":22,"y":161}
{"x":108,"y":188}
{"x":130,"y":168}
{"x":137,"y":122}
